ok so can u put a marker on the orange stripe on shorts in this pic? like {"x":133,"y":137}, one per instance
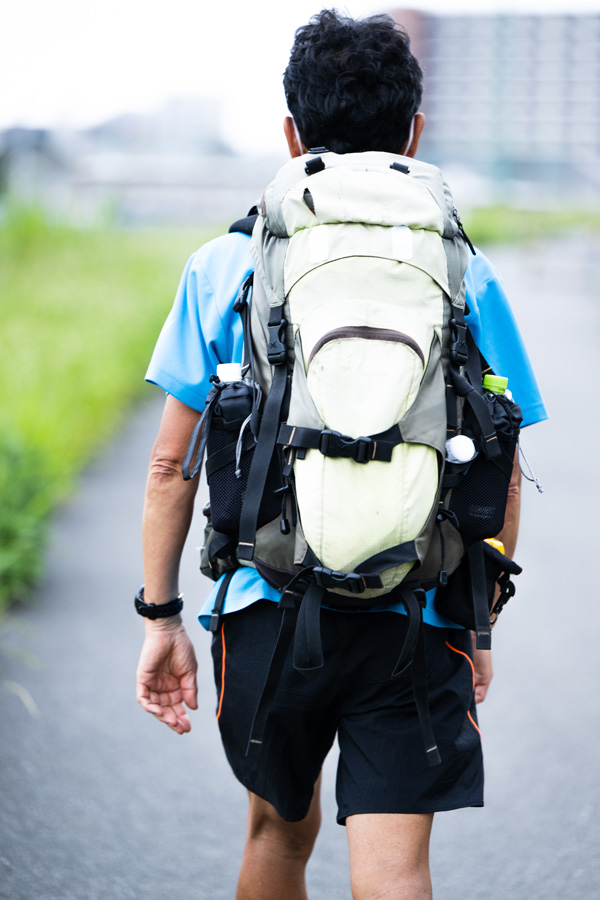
{"x":223,"y":655}
{"x":466,"y":656}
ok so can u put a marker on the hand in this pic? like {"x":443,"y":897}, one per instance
{"x":166,"y":674}
{"x":484,"y":672}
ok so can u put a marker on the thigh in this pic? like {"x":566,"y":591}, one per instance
{"x":383,"y":767}
{"x":301,"y":724}
{"x":389,"y":855}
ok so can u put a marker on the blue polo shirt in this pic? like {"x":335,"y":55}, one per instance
{"x":202,"y":330}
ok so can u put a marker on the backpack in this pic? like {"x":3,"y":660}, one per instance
{"x":326,"y":463}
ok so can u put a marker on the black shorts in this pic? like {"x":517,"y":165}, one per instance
{"x":382,"y":766}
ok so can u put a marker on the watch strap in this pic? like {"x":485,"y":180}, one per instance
{"x":157,"y":611}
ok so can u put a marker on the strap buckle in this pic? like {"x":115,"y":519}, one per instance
{"x":333,"y":443}
{"x":327,"y":578}
{"x":276,"y":352}
{"x":459,"y":351}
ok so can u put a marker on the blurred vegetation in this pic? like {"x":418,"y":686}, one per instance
{"x":81,"y":311}
{"x":506,"y":225}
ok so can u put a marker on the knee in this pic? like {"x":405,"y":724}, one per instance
{"x":390,"y":884}
{"x":292,"y":840}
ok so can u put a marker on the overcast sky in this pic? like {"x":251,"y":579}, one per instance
{"x":71,"y":62}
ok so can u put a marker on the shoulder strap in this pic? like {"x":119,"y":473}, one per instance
{"x":245,"y":225}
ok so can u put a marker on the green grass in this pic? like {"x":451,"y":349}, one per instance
{"x":502,"y":224}
{"x":81,"y":312}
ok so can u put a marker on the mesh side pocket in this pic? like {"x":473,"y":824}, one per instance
{"x":227,"y":491}
{"x":479,"y":501}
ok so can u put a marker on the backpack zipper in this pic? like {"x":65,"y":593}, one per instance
{"x":365,"y":332}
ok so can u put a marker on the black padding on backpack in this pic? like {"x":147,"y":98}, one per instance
{"x":394,"y":556}
{"x":245,"y":225}
{"x":280,"y":651}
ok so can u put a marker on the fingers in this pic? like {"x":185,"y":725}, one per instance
{"x":167,"y":707}
{"x":189,"y":691}
{"x":174,"y":716}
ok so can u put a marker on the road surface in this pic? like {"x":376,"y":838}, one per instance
{"x":101,"y":802}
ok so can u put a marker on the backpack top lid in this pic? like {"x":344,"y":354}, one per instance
{"x":358,"y":187}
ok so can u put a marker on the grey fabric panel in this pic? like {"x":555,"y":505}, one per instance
{"x":275,"y":548}
{"x":259,"y":316}
{"x":268,"y":252}
{"x":431,"y":548}
{"x":433,"y":179}
{"x":457,"y":258}
{"x":425,"y":421}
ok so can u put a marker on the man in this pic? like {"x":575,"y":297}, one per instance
{"x":351,"y":86}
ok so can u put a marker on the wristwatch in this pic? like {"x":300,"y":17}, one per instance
{"x":160,"y":611}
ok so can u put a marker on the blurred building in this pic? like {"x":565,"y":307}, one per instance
{"x":512,"y":98}
{"x":167,"y":167}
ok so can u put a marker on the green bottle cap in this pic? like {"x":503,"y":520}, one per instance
{"x":495,"y":383}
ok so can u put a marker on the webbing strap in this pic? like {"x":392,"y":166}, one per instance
{"x":332,"y":443}
{"x":412,"y":606}
{"x":420,"y":693}
{"x":479,"y":406}
{"x":481,"y":609}
{"x":241,"y":307}
{"x":200,"y":431}
{"x":260,"y":464}
{"x":280,"y":651}
{"x":308,"y":648}
{"x":219,"y":601}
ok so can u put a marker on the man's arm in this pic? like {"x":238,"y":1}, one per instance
{"x":482,"y":659}
{"x":166,"y":674}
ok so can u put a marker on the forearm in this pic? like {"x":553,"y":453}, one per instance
{"x":169,"y":504}
{"x":168,"y":509}
{"x":510,"y":531}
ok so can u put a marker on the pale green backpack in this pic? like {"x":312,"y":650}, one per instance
{"x":327,"y":460}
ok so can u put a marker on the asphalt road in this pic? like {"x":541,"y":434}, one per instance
{"x":98,"y":801}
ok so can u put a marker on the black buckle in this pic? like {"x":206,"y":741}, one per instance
{"x":327,"y":578}
{"x":314,"y":165}
{"x":332,"y":443}
{"x":459,"y":351}
{"x":276,"y":352}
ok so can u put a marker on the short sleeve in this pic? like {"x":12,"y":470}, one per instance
{"x":202,"y":329}
{"x":496,"y":333}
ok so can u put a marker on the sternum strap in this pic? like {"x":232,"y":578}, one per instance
{"x":332,"y":443}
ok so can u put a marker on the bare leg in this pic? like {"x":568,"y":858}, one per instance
{"x":389,"y":856}
{"x":277,"y":851}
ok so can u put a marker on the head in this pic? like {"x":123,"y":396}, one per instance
{"x":353,"y":85}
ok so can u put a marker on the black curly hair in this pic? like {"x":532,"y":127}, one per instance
{"x":353,"y":85}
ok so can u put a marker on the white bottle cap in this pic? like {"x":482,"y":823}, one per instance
{"x":229,"y":372}
{"x":460,"y":449}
